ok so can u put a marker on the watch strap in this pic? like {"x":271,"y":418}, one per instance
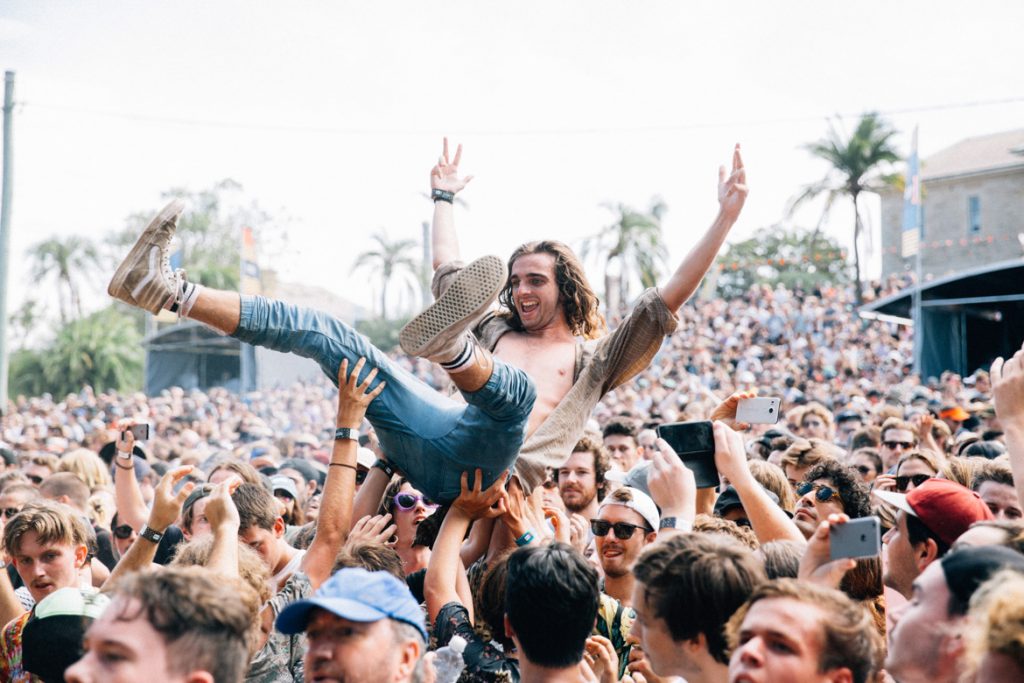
{"x":346,"y":433}
{"x":442,"y":195}
{"x":150,"y":535}
{"x":384,"y":465}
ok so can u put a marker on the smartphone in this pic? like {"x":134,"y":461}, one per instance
{"x":140,"y":431}
{"x":694,"y":443}
{"x":857,"y":538}
{"x":364,"y":440}
{"x":758,"y":411}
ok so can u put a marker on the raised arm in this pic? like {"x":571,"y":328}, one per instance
{"x":335,"y":518}
{"x":732,"y":193}
{"x":768,"y":520}
{"x":445,"y":178}
{"x":166,"y":509}
{"x":224,"y":521}
{"x":439,"y":586}
{"x":131,"y":508}
{"x":1008,"y":393}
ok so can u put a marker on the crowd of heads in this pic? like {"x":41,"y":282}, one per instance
{"x":601,"y":583}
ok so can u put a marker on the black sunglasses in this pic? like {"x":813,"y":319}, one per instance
{"x":623,"y":530}
{"x":864,"y":469}
{"x":122,"y":531}
{"x":10,"y":512}
{"x":822,"y":493}
{"x":903,"y":482}
{"x":361,"y":476}
{"x":34,"y":478}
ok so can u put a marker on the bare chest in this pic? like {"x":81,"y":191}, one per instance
{"x":550,"y":365}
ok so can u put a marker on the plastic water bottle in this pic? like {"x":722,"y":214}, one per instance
{"x":448,"y":661}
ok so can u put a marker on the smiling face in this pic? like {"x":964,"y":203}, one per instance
{"x":535,"y":292}
{"x":618,"y":556}
{"x":46,"y":567}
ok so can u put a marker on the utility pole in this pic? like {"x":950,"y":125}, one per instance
{"x":5,"y":231}
{"x":425,"y":268}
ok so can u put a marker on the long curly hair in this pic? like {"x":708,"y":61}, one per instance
{"x":579,"y":301}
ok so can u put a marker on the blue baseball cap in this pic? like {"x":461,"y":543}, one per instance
{"x":357,"y":595}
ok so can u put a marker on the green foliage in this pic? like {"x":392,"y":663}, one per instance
{"x":858,"y":163}
{"x":388,"y":261}
{"x":382,"y":333}
{"x":634,"y":243}
{"x":64,"y":260}
{"x":103,"y":350}
{"x":209,"y":232}
{"x":774,"y":255}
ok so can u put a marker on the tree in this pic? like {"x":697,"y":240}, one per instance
{"x":103,"y":350}
{"x":632,"y":246}
{"x":64,"y":260}
{"x":857,"y":167}
{"x":388,"y":261}
{"x":209,"y":232}
{"x":776,"y":255}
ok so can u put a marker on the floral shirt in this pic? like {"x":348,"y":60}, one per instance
{"x":10,"y":653}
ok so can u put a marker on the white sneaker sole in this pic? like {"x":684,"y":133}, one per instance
{"x":468,"y":297}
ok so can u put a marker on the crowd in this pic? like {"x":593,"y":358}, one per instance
{"x":303,"y":534}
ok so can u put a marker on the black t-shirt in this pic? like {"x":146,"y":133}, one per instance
{"x":479,"y":655}
{"x":168,"y":544}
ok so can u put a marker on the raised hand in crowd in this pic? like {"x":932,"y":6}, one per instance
{"x":1007,"y":378}
{"x":726,"y":410}
{"x":377,"y":530}
{"x":445,"y":174}
{"x":767,"y":519}
{"x":816,"y":565}
{"x":600,"y":660}
{"x":673,"y":487}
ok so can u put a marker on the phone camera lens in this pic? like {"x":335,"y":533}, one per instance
{"x":771,"y":410}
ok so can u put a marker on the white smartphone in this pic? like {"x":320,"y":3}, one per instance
{"x":758,"y":411}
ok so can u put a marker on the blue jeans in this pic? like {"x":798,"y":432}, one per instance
{"x":429,"y":437}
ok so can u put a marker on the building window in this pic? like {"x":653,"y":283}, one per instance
{"x":973,"y":214}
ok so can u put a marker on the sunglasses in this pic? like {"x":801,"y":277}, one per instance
{"x":864,"y":469}
{"x":407,"y":501}
{"x":898,"y":445}
{"x":903,"y":482}
{"x":34,"y":478}
{"x":361,"y":476}
{"x":10,"y":512}
{"x":821,"y":492}
{"x":623,"y":530}
{"x":123,"y":531}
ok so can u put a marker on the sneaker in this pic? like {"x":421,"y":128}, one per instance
{"x":439,"y":332}
{"x":145,"y":278}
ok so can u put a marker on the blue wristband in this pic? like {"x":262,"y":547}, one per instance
{"x":525,"y":539}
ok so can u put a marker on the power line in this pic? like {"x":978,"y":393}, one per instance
{"x":213,"y":123}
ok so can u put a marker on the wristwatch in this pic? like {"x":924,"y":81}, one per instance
{"x":150,"y":535}
{"x":384,"y":466}
{"x":346,"y":433}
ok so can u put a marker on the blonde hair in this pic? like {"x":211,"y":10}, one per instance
{"x":53,"y":523}
{"x":87,"y":466}
{"x":773,"y":479}
{"x":809,"y":452}
{"x":997,"y":620}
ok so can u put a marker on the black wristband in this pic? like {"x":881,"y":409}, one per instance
{"x":442,"y":195}
{"x":150,"y":535}
{"x":384,"y":465}
{"x":346,"y":433}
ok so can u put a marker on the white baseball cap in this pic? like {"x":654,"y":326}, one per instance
{"x":635,"y":500}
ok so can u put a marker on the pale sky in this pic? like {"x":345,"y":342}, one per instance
{"x":331,"y":114}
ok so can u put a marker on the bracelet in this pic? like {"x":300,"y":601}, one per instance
{"x":525,"y":539}
{"x":384,"y":465}
{"x":343,"y":464}
{"x":129,"y":467}
{"x":346,"y":433}
{"x":442,"y":195}
{"x":150,"y":535}
{"x":675,"y":523}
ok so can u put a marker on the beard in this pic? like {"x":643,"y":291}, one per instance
{"x":578,"y":500}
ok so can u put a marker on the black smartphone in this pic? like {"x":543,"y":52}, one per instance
{"x":140,"y":431}
{"x":861,"y":537}
{"x":694,"y":443}
{"x":364,"y":440}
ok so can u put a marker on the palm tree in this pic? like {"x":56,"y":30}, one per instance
{"x":387,"y":261}
{"x":65,"y":260}
{"x":856,"y":168}
{"x":632,"y":246}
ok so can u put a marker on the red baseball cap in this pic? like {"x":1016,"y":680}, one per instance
{"x":945,"y":507}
